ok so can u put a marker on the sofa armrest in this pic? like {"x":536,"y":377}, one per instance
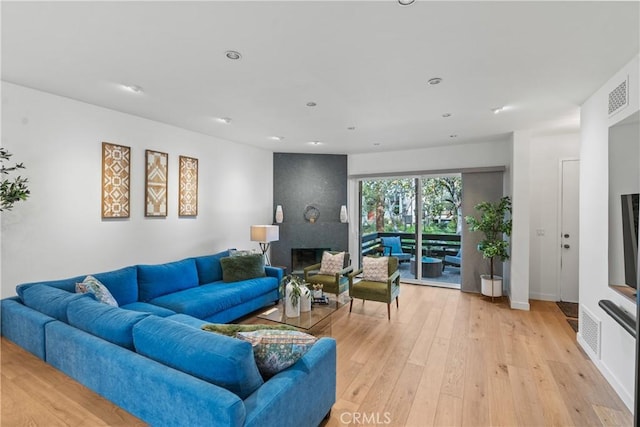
{"x":276,"y":272}
{"x":309,"y":386}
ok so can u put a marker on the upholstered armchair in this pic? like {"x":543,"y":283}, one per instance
{"x":332,"y":278}
{"x":375,"y":285}
{"x":393,"y":247}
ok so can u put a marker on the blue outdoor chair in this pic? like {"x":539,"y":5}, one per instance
{"x":453,"y":260}
{"x":392,"y":247}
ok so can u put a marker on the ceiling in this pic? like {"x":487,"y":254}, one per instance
{"x":366,"y":64}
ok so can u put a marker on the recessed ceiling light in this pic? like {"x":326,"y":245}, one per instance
{"x":276,"y":138}
{"x":351,"y":128}
{"x":223,"y":119}
{"x":405,"y":2}
{"x":446,"y":115}
{"x":311,"y":104}
{"x":133,"y":88}
{"x":453,"y":135}
{"x":315,"y":142}
{"x":435,"y":81}
{"x":233,"y":55}
{"x":496,"y":110}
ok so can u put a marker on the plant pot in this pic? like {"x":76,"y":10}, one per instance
{"x":291,"y":310}
{"x":491,"y":288}
{"x":305,"y":300}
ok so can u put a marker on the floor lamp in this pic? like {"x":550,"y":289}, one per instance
{"x":265,"y":234}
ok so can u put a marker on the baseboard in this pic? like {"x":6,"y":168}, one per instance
{"x":543,"y":296}
{"x":624,"y":394}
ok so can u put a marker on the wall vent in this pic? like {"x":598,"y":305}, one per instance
{"x":619,"y":97}
{"x":590,"y":330}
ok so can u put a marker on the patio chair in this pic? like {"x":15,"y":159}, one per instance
{"x":453,"y":260}
{"x":334,"y":283}
{"x":384,"y":288}
{"x":393,"y":247}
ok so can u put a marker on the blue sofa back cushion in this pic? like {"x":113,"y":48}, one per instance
{"x":162,"y":279}
{"x":223,"y":361}
{"x":122,"y":283}
{"x":209,"y":269}
{"x":51,"y":301}
{"x":105,"y":321}
{"x":68,"y":285}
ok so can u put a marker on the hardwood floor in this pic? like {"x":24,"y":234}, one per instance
{"x":446,"y":358}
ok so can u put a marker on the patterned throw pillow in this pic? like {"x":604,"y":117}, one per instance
{"x":375,"y":269}
{"x":332,"y":263}
{"x":92,"y":285}
{"x":231,"y":329}
{"x":276,"y":350}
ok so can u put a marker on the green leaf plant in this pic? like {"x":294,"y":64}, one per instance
{"x":494,"y":222}
{"x":11,"y":190}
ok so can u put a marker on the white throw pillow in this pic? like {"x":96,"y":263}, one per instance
{"x":332,"y":263}
{"x":375,"y":269}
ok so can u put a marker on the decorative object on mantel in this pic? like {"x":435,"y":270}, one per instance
{"x":279,"y":214}
{"x":116,"y":168}
{"x":265,"y":234}
{"x":157,"y":170}
{"x":311,"y":213}
{"x":188,"y":191}
{"x":343,"y":214}
{"x":11,"y":191}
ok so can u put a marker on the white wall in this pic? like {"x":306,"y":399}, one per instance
{"x":616,"y":361}
{"x":545,"y":153}
{"x":58,"y":232}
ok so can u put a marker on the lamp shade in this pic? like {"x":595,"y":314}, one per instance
{"x":265,"y":233}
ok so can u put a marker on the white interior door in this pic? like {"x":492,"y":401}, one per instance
{"x":569,"y":237}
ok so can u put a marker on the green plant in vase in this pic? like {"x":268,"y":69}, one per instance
{"x":11,"y":191}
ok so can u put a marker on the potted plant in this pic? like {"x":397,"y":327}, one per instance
{"x":296,"y":295}
{"x":11,"y":191}
{"x":494,"y":222}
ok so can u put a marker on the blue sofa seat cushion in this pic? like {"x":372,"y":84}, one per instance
{"x":110,"y":323}
{"x":224,"y":361}
{"x":122,"y":283}
{"x":206,"y":300}
{"x":163,"y":279}
{"x":51,"y":301}
{"x":209,"y":268}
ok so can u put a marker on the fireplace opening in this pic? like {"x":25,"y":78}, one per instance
{"x":304,"y":257}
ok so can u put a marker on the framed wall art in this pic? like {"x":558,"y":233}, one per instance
{"x":155,"y":183}
{"x":116,"y":180}
{"x":188,"y":192}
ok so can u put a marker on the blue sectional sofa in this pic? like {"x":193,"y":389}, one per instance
{"x":150,"y":357}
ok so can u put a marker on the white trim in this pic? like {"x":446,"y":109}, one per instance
{"x":524,"y":305}
{"x":604,"y":370}
{"x":543,"y":296}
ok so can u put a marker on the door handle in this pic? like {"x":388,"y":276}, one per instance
{"x":566,"y":246}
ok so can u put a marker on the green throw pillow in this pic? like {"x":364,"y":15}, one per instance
{"x":238,"y":268}
{"x":231,"y":329}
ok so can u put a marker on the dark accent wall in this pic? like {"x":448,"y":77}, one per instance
{"x":301,"y":180}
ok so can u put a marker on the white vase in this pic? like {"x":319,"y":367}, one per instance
{"x":343,"y":214}
{"x":491,"y":288}
{"x":279,"y":214}
{"x":290,"y":310}
{"x":305,"y":300}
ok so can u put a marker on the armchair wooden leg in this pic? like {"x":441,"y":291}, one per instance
{"x":397,"y":305}
{"x":389,"y":311}
{"x":350,"y":305}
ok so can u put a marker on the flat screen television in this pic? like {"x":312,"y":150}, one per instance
{"x":630,"y":209}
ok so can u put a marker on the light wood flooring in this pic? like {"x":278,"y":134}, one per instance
{"x":446,"y":358}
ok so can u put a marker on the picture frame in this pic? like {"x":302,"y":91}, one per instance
{"x":116,"y":180}
{"x":188,"y":190}
{"x":155,"y":183}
